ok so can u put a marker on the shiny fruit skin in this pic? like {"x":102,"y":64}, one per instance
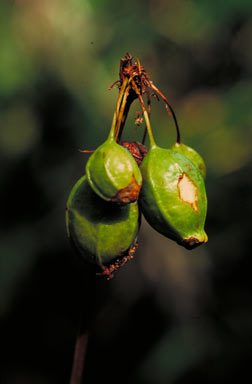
{"x":169,"y":208}
{"x":99,"y":230}
{"x":113,"y":173}
{"x":193,"y":155}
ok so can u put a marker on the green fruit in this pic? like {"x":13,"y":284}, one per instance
{"x":100,"y":230}
{"x":113,"y":173}
{"x":192,"y":155}
{"x":173,"y":197}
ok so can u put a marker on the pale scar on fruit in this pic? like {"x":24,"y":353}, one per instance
{"x":187,"y":191}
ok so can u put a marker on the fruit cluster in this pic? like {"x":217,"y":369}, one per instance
{"x":124,"y":179}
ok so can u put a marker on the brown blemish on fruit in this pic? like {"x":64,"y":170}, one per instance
{"x":191,"y":242}
{"x":188,"y":192}
{"x":129,"y":194}
{"x":119,"y":262}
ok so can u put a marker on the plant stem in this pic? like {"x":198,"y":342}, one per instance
{"x":148,"y":126}
{"x":121,"y":112}
{"x":87,"y":312}
{"x":121,"y":94}
{"x":79,"y":356}
{"x":145,"y":113}
{"x":112,"y":129}
{"x":170,"y":109}
{"x":122,"y":108}
{"x":125,"y":114}
{"x":149,"y":113}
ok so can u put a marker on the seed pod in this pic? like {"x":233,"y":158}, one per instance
{"x":192,"y":155}
{"x":173,"y":197}
{"x":113,"y":173}
{"x":100,"y":230}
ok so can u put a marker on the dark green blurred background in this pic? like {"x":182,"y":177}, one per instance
{"x":170,"y":315}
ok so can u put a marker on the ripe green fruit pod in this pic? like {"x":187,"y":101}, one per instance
{"x":173,"y":196}
{"x":113,"y":173}
{"x":99,"y":230}
{"x":193,"y":155}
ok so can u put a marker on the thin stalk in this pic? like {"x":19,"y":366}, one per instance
{"x":112,"y":129}
{"x":112,"y":132}
{"x":125,"y":114}
{"x":87,"y":309}
{"x":79,"y":357}
{"x":148,"y":126}
{"x":146,"y":117}
{"x":149,"y":113}
{"x":170,"y":109}
{"x":121,"y":112}
{"x":121,"y":94}
{"x":88,"y":305}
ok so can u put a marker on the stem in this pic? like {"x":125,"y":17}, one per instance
{"x":119,"y":100}
{"x":148,"y":126}
{"x":119,"y":115}
{"x":125,"y":114}
{"x":79,"y":356}
{"x":149,"y":113}
{"x":82,"y":335}
{"x":170,"y":108}
{"x":121,"y":112}
{"x":87,"y":308}
{"x":145,"y":113}
{"x":112,"y":129}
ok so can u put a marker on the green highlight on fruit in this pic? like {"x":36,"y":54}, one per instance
{"x":113,"y":173}
{"x":99,"y":230}
{"x":173,"y":196}
{"x":193,"y":155}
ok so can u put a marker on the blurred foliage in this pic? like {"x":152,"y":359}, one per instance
{"x":170,"y":316}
